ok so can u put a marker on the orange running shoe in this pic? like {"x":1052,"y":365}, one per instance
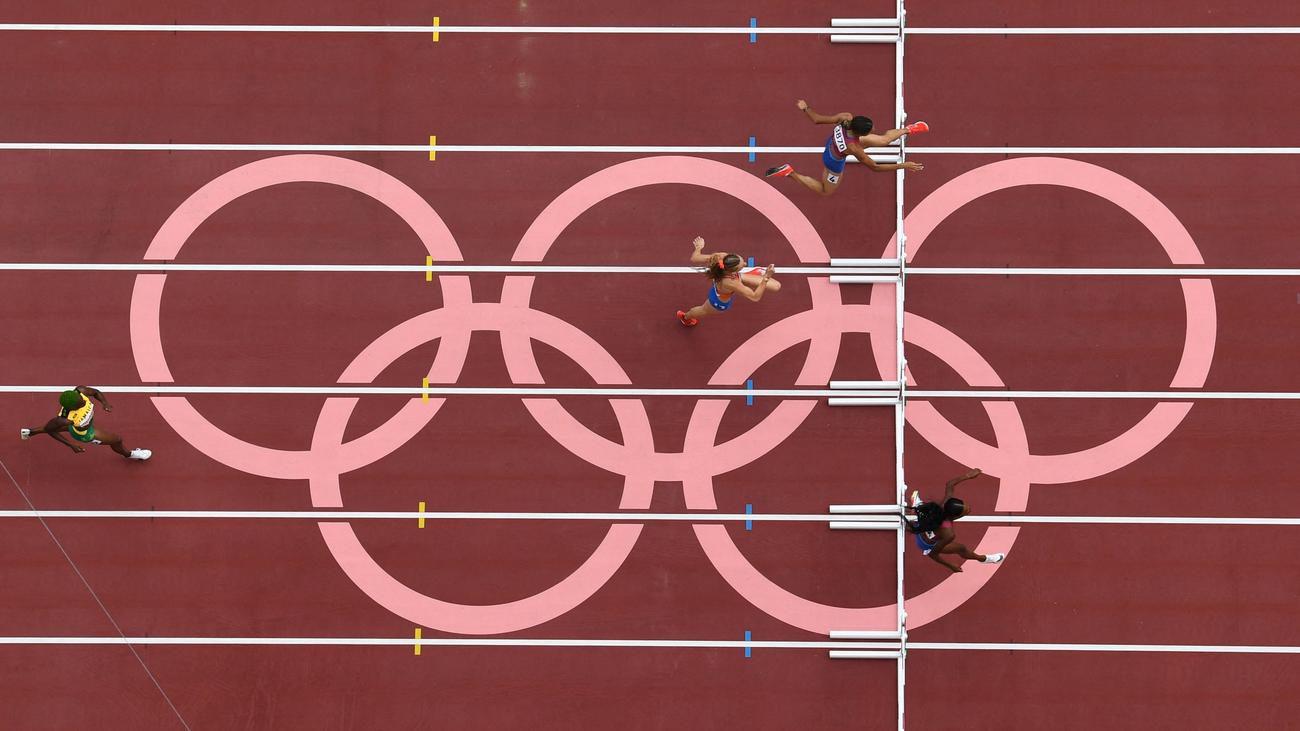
{"x":780,"y":171}
{"x":917,"y":128}
{"x":687,"y":321}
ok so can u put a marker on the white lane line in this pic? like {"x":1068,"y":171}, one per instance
{"x":1128,"y":520}
{"x":1221,"y":30}
{"x":921,"y":150}
{"x":452,"y":642}
{"x":428,"y":29}
{"x":628,"y":516}
{"x":1164,"y":395}
{"x":615,"y":392}
{"x":880,"y":154}
{"x":1069,"y":647}
{"x":1105,"y":272}
{"x":678,"y":644}
{"x":147,"y":266}
{"x":433,"y":390}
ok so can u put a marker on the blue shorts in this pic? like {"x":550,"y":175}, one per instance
{"x":832,"y":163}
{"x":718,"y":303}
{"x":921,"y":544}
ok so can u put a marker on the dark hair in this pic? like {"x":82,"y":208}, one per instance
{"x":719,"y":268}
{"x":860,"y":125}
{"x":929,"y":517}
{"x":953,"y":508}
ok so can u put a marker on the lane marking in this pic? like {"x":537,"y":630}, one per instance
{"x":428,"y":265}
{"x":680,"y":644}
{"x":418,"y":637}
{"x":527,"y":29}
{"x":888,"y":154}
{"x":748,"y":517}
{"x":1118,"y":30}
{"x":749,"y":649}
{"x":433,"y":147}
{"x":420,"y":521}
{"x":753,"y":144}
{"x":622,"y":516}
{"x":753,"y":34}
{"x":424,"y":389}
{"x":400,"y":268}
{"x":749,"y":397}
{"x":912,"y":148}
{"x":437,"y":21}
{"x":362,"y":390}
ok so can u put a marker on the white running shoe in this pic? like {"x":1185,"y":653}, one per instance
{"x":916,"y":498}
{"x":140,"y":454}
{"x":994,"y":558}
{"x":24,"y":433}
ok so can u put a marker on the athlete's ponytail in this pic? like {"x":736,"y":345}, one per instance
{"x":720,"y":268}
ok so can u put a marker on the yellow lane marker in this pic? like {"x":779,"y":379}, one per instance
{"x":428,"y":274}
{"x":418,"y":636}
{"x":424,"y":384}
{"x":421,"y":523}
{"x":436,"y":22}
{"x":433,"y":143}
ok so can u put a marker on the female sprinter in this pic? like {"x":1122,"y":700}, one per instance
{"x":849,"y":138}
{"x":730,"y":277}
{"x":933,"y":526}
{"x":77,"y":418}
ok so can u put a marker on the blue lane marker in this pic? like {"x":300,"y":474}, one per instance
{"x":752,"y":143}
{"x":749,"y":397}
{"x":751,"y":259}
{"x":749,"y":510}
{"x":753,"y":23}
{"x":749,"y":651}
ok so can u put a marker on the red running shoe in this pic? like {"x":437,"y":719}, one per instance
{"x":780,"y":171}
{"x":917,"y":128}
{"x":687,"y":321}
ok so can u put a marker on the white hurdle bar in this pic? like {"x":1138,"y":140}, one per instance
{"x":864,"y":385}
{"x":866,"y":517}
{"x":853,"y":401}
{"x":874,"y":30}
{"x":867,"y":263}
{"x":890,"y":644}
{"x":860,"y":279}
{"x":862,"y":525}
{"x":887,"y":508}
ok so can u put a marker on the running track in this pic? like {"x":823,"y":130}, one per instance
{"x":1076,"y":583}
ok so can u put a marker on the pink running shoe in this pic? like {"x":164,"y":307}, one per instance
{"x":687,"y":321}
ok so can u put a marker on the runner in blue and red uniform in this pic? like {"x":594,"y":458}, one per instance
{"x":850,"y":138}
{"x":730,"y":276}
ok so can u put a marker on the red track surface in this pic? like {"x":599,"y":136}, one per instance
{"x":1083,"y":584}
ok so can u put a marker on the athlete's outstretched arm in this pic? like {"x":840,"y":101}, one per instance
{"x":55,"y":428}
{"x":756,"y":294}
{"x":952,"y":484}
{"x":698,"y":257}
{"x":96,"y":394}
{"x":881,"y":167}
{"x":822,"y":118}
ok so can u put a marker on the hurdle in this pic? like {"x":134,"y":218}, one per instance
{"x":867,"y":30}
{"x":890,"y":645}
{"x":880,"y":271}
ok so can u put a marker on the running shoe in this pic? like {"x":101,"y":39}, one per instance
{"x":687,"y":321}
{"x":779,"y":171}
{"x":140,"y":454}
{"x":994,"y":558}
{"x":24,"y":433}
{"x":917,"y":128}
{"x":916,"y":498}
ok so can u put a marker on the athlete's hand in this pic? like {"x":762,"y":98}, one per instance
{"x":78,"y":449}
{"x":699,"y":243}
{"x":803,"y":105}
{"x":844,"y":117}
{"x":769,"y":272}
{"x":909,"y":165}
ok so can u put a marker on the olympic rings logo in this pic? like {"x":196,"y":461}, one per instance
{"x":636,"y":458}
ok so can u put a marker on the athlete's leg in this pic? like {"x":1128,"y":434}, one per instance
{"x":880,"y":140}
{"x":699,"y":311}
{"x":961,"y":550}
{"x":112,"y":441}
